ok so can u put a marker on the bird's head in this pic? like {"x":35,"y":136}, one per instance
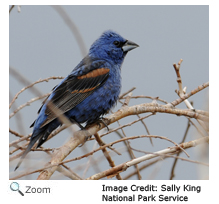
{"x":111,"y":46}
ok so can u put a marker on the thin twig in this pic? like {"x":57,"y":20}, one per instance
{"x":142,"y":167}
{"x":15,"y":133}
{"x":110,"y":144}
{"x":181,"y":92}
{"x":131,"y":153}
{"x":126,"y":125}
{"x":27,"y":104}
{"x":36,"y":82}
{"x":170,"y":155}
{"x":186,"y":96}
{"x":11,"y":8}
{"x":124,"y":166}
{"x":175,"y":160}
{"x":69,"y":22}
{"x":146,"y":128}
{"x":19,"y":140}
{"x":106,"y":154}
{"x":179,"y":81}
{"x":127,"y":92}
{"x":23,"y":80}
{"x":149,"y":97}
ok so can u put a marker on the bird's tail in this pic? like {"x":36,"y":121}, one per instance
{"x":41,"y":136}
{"x":30,"y":145}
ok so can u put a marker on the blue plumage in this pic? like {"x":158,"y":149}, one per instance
{"x":89,"y":91}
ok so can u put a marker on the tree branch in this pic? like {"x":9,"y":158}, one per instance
{"x":122,"y":167}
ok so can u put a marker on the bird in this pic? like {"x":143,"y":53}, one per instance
{"x":88,"y":92}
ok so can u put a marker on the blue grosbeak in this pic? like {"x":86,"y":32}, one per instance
{"x":88,"y":92}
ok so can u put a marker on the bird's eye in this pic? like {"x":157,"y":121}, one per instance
{"x":116,"y":43}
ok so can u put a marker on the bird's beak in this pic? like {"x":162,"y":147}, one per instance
{"x":129,"y":45}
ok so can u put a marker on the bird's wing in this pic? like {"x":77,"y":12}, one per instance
{"x":74,"y":89}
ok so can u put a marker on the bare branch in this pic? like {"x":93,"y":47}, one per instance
{"x":72,"y":27}
{"x":23,"y":89}
{"x":122,"y":167}
{"x":106,"y":154}
{"x":182,"y":98}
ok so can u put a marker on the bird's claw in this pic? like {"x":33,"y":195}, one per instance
{"x":102,"y":120}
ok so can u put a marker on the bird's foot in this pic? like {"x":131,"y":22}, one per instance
{"x":73,"y":121}
{"x":98,"y":121}
{"x":101,"y":120}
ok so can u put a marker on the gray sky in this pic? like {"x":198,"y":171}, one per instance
{"x":42,"y":45}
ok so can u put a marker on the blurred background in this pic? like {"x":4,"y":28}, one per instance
{"x":41,"y":45}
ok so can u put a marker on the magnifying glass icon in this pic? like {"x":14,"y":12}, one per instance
{"x":15,"y":187}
